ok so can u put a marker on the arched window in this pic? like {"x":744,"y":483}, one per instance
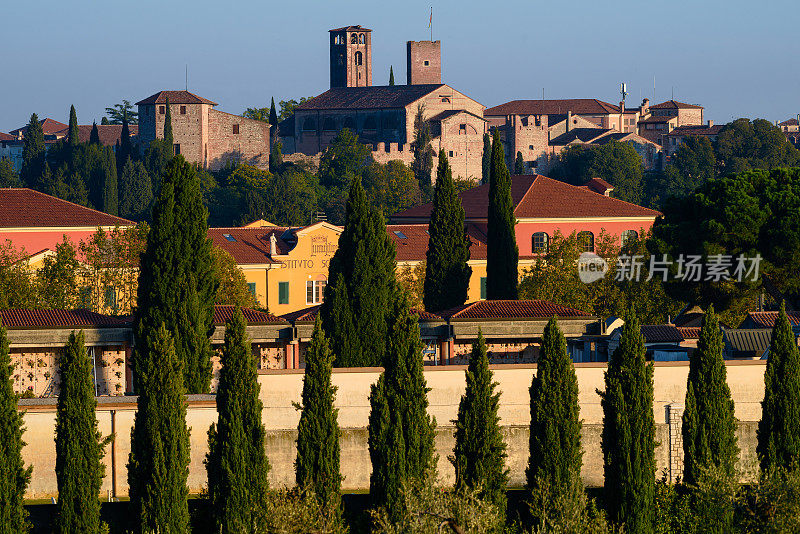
{"x":350,"y":124}
{"x":338,"y":39}
{"x":359,"y":58}
{"x":540,"y":242}
{"x":370,"y":124}
{"x":309,"y":125}
{"x":362,"y":39}
{"x":329,"y":125}
{"x":627,"y":235}
{"x":586,"y":241}
{"x":354,"y":39}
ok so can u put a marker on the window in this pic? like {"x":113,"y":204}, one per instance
{"x":85,"y":297}
{"x":586,"y":241}
{"x":450,"y":154}
{"x":627,"y":235}
{"x":362,"y":39}
{"x":530,"y":147}
{"x":341,"y":59}
{"x":540,"y":241}
{"x":328,"y":125}
{"x":252,"y":287}
{"x":283,"y":292}
{"x":338,"y":39}
{"x":648,"y":127}
{"x":400,"y":234}
{"x":462,"y":128}
{"x":445,"y":100}
{"x":483,"y":287}
{"x":315,"y":290}
{"x":354,"y":39}
{"x":359,"y":58}
{"x":110,"y":299}
{"x":176,"y":148}
{"x":235,"y":129}
{"x":183,"y":110}
{"x":426,"y":63}
{"x":309,"y":125}
{"x":162,"y":110}
{"x":229,"y":237}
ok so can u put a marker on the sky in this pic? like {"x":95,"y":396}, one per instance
{"x":738,"y":58}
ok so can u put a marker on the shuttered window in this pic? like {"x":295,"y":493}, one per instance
{"x":283,"y":292}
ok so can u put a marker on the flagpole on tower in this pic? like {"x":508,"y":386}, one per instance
{"x":430,"y":23}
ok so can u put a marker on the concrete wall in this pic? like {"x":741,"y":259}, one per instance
{"x":279,"y":389}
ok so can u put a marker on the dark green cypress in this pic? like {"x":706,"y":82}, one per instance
{"x":317,"y":463}
{"x":158,"y":465}
{"x":422,"y":165}
{"x":519,"y":164}
{"x":125,"y":150}
{"x":486,"y":159}
{"x":135,"y":191}
{"x":480,"y":452}
{"x":779,"y":429}
{"x":33,"y":154}
{"x":177,"y":286}
{"x":709,"y":425}
{"x":365,"y":264}
{"x":237,"y":463}
{"x":447,"y":273}
{"x":273,"y":114}
{"x":391,"y":75}
{"x":94,"y":136}
{"x":14,"y":476}
{"x":555,"y":449}
{"x":502,"y":252}
{"x":628,"y":439}
{"x":110,"y":186}
{"x":79,"y":446}
{"x":72,"y":137}
{"x":168,"y":137}
{"x":401,"y":434}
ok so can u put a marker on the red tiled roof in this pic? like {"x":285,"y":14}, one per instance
{"x":790,"y":122}
{"x":689,"y":332}
{"x":661,"y":333}
{"x":425,"y":315}
{"x":355,"y":28}
{"x":6,"y":137}
{"x":109,"y":133}
{"x":414,"y":245}
{"x":373,"y":97}
{"x":306,"y":315}
{"x":766,"y":319}
{"x":49,"y":127}
{"x":175,"y":97}
{"x":674,"y":104}
{"x":584,"y":135}
{"x":598,"y":185}
{"x":537,"y":196}
{"x":658,"y":119}
{"x":695,"y":130}
{"x":511,"y":309}
{"x":224,"y":312}
{"x":19,"y":318}
{"x":578,"y":106}
{"x":26,"y":208}
{"x":250,"y":245}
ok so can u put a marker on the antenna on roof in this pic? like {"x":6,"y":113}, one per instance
{"x":673,"y":93}
{"x":623,"y":90}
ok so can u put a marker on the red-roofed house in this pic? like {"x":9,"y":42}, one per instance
{"x":109,"y":134}
{"x":660,"y":119}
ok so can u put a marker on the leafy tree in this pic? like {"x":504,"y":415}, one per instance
{"x":14,"y":476}
{"x":486,"y":159}
{"x":17,"y":288}
{"x":317,"y":463}
{"x":72,"y":137}
{"x":480,"y":452}
{"x":709,"y":425}
{"x":158,"y":465}
{"x":237,"y":464}
{"x":169,"y":138}
{"x":33,"y":154}
{"x":401,"y":434}
{"x":233,"y":288}
{"x":779,"y":429}
{"x":391,"y":75}
{"x":343,"y":159}
{"x":556,"y":454}
{"x":412,"y":280}
{"x":177,"y":286}
{"x":743,"y":145}
{"x":519,"y":164}
{"x":94,"y":136}
{"x":8,"y":176}
{"x":119,"y":112}
{"x":287,"y":107}
{"x":361,"y":283}
{"x":57,"y":278}
{"x":616,"y":162}
{"x":447,"y":273}
{"x":290,"y":198}
{"x":692,"y":165}
{"x":502,"y":250}
{"x":391,"y":187}
{"x":104,"y":121}
{"x":423,"y":152}
{"x":79,"y":445}
{"x":257,"y":114}
{"x":628,"y":439}
{"x":136,"y":191}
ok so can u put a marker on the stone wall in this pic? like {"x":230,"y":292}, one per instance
{"x":236,"y":139}
{"x":279,"y":389}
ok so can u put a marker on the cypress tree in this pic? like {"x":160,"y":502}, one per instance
{"x":779,"y":429}
{"x":94,"y":136}
{"x":110,"y":194}
{"x":423,"y":153}
{"x":519,"y":164}
{"x":168,"y":137}
{"x":317,"y":463}
{"x":555,"y":437}
{"x":273,"y":114}
{"x":502,"y":252}
{"x":365,"y":264}
{"x":33,"y":154}
{"x":401,"y":434}
{"x":628,"y":439}
{"x":79,"y":446}
{"x":158,"y":465}
{"x":237,"y":464}
{"x":72,"y":137}
{"x":14,"y":476}
{"x":480,"y":452}
{"x":136,"y":191}
{"x":446,"y":271}
{"x":709,"y":425}
{"x":391,"y":75}
{"x":125,"y":149}
{"x":486,"y":159}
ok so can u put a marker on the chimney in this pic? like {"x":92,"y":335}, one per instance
{"x":622,"y":106}
{"x":710,"y":123}
{"x":273,"y":245}
{"x":569,"y":120}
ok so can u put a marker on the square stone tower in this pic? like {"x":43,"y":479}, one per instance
{"x":423,"y":62}
{"x":351,"y":57}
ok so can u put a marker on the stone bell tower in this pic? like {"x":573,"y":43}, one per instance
{"x":351,"y":57}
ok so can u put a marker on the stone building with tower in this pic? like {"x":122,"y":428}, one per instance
{"x":202,"y":134}
{"x":383,"y":116}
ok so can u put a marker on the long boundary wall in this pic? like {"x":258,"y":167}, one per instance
{"x":279,"y":389}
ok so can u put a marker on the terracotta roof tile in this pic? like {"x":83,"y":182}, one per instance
{"x":23,"y":208}
{"x":175,"y":97}
{"x":658,"y":119}
{"x":696,"y":130}
{"x":674,"y":104}
{"x":49,"y":127}
{"x":766,"y":319}
{"x":578,"y":106}
{"x":356,"y":28}
{"x":250,"y":245}
{"x":306,"y":315}
{"x":19,"y":318}
{"x":661,"y":333}
{"x":790,"y":122}
{"x":425,"y":315}
{"x":689,"y":332}
{"x":411,"y":241}
{"x":6,"y":137}
{"x":584,"y":135}
{"x":224,"y":312}
{"x":109,"y":133}
{"x":511,"y":309}
{"x":374,"y":97}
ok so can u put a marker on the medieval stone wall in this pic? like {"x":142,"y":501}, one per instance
{"x":232,"y":138}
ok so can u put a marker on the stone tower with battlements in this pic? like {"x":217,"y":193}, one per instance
{"x":423,"y":62}
{"x":351,"y":57}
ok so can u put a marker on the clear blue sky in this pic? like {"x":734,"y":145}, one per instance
{"x":738,"y":58}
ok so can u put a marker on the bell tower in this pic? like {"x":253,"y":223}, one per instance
{"x":351,"y":57}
